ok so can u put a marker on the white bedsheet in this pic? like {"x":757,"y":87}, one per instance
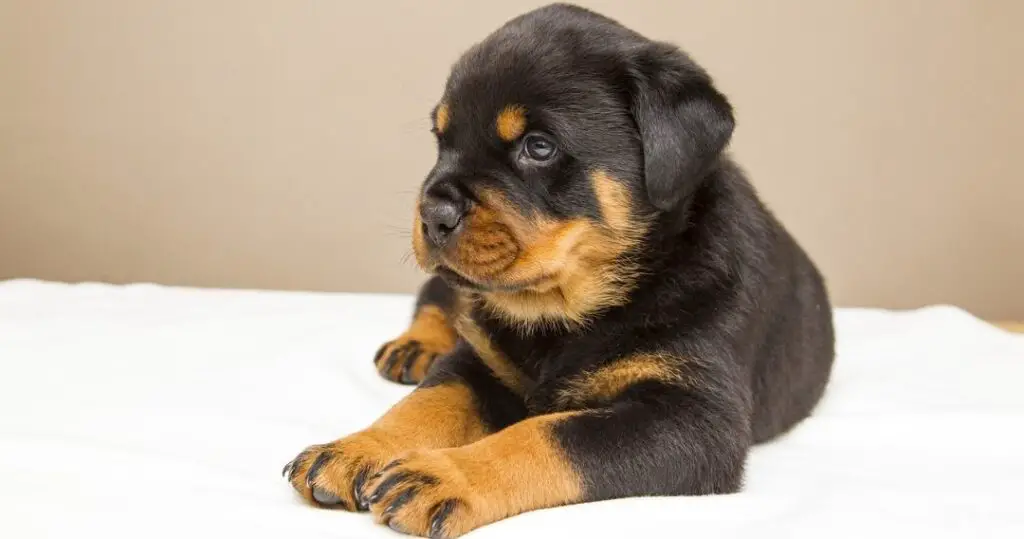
{"x":146,"y":411}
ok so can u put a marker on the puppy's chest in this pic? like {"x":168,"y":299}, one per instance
{"x":537,"y":365}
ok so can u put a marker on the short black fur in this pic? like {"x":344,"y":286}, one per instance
{"x":723,"y":285}
{"x":497,"y":405}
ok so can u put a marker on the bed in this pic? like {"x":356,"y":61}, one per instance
{"x":152,"y":411}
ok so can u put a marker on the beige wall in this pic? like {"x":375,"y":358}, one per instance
{"x":279,"y":143}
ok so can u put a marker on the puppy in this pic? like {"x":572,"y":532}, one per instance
{"x":613,"y":312}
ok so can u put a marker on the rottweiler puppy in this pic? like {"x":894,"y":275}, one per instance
{"x":612,"y":312}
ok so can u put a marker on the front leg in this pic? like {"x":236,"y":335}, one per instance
{"x":653,"y":436}
{"x":462,"y":403}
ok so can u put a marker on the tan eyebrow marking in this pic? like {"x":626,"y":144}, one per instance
{"x":441,"y":117}
{"x":511,"y":122}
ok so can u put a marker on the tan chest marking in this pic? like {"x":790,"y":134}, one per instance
{"x":503,"y":369}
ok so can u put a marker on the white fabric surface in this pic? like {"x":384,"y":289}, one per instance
{"x":146,"y":411}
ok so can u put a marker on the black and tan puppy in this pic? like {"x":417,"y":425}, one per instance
{"x":614,"y":313}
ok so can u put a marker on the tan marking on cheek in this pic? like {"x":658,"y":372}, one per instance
{"x":615,"y":202}
{"x":609,"y":381}
{"x":582,"y":259}
{"x":486,"y":247}
{"x":511,"y":122}
{"x":441,"y":117}
{"x":568,"y":269}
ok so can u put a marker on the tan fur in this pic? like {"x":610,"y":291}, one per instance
{"x":487,"y":247}
{"x":431,"y":325}
{"x":617,"y":208}
{"x":428,"y":418}
{"x":433,"y":417}
{"x":441,"y":117}
{"x":435,"y":336}
{"x":610,"y":380}
{"x":516,"y":470}
{"x":575,"y":267}
{"x":542,"y":270}
{"x":511,"y":122}
{"x":506,"y":371}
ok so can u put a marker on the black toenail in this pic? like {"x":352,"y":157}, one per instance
{"x":392,"y":359}
{"x":441,"y":513}
{"x":380,"y":352}
{"x":357,"y":489}
{"x":314,"y":470}
{"x":406,"y":376}
{"x":400,"y":500}
{"x":386,"y":485}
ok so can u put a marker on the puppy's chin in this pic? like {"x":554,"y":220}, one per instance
{"x":457,"y":280}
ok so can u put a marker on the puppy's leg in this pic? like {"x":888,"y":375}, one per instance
{"x":654,"y":439}
{"x":430,"y":335}
{"x":460,"y":405}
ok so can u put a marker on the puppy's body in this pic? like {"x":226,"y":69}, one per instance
{"x":615,"y":313}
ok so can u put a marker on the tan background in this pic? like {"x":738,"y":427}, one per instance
{"x":278,"y":144}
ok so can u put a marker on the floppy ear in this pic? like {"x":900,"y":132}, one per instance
{"x":684,"y":122}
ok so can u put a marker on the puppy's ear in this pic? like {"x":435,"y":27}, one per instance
{"x":684,"y":122}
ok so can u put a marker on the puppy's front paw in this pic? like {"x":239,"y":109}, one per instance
{"x":407,"y":358}
{"x":332,"y":474}
{"x":427,"y":493}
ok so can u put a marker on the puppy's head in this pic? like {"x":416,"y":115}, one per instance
{"x":561,"y":138}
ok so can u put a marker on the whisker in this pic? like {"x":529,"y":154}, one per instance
{"x":408,"y":259}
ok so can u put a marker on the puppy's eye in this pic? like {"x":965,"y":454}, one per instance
{"x":538,"y":147}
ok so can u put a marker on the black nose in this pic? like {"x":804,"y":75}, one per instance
{"x":441,"y":211}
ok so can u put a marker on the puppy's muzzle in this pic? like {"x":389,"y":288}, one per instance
{"x":442,"y":210}
{"x":469,"y":238}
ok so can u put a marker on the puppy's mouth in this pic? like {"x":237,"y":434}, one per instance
{"x":458,"y":280}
